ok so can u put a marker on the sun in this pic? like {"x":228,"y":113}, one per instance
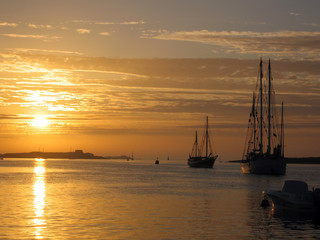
{"x":40,"y":121}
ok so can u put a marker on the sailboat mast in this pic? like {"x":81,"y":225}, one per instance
{"x":261,"y":110}
{"x":282,"y":132}
{"x":207,"y":136}
{"x":196,"y":144}
{"x":269,"y":107}
{"x":254,"y":121}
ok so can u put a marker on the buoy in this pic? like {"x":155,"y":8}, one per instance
{"x":265,"y":203}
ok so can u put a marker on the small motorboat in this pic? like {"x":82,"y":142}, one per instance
{"x":295,"y":195}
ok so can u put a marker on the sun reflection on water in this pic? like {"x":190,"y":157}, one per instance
{"x":39,"y":192}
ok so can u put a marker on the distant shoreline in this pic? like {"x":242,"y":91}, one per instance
{"x":77,"y":154}
{"x":302,"y":160}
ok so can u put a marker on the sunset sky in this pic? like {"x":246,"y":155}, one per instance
{"x":115,"y":77}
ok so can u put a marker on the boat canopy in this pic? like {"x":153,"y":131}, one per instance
{"x":293,"y":186}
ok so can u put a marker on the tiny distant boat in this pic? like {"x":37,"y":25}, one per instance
{"x":264,"y":150}
{"x":157,"y":161}
{"x":295,"y":196}
{"x":130,"y":158}
{"x":196,"y":159}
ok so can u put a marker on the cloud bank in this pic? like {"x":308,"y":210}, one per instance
{"x":294,"y":44}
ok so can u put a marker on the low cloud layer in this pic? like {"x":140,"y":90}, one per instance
{"x":294,"y":44}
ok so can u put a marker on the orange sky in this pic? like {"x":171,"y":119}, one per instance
{"x":147,"y":106}
{"x":140,"y":79}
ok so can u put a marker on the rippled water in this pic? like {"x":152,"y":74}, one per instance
{"x":118,"y":199}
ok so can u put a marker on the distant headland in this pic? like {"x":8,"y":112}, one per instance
{"x":301,"y":160}
{"x":77,"y":154}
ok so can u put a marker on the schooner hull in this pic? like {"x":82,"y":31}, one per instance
{"x":201,"y":162}
{"x":264,"y":165}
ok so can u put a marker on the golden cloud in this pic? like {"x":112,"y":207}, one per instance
{"x":40,"y":26}
{"x":83,"y":31}
{"x":44,"y":37}
{"x":295,"y":44}
{"x":8,"y":24}
{"x":104,"y":33}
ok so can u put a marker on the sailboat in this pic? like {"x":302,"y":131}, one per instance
{"x":264,"y":148}
{"x":196,"y":159}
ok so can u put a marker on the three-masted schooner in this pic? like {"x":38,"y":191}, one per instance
{"x":196,"y":159}
{"x":264,"y":149}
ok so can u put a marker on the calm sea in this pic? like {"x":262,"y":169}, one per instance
{"x":119,"y":199}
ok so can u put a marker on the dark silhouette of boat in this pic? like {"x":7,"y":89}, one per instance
{"x":196,"y":159}
{"x":295,"y":196}
{"x":264,"y":149}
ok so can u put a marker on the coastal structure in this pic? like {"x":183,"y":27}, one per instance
{"x":77,"y":154}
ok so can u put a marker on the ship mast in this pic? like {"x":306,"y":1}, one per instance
{"x":261,"y":109}
{"x":207,"y":136}
{"x":282,"y":132}
{"x":196,"y":144}
{"x":254,"y":121}
{"x":269,"y":107}
{"x":195,"y":148}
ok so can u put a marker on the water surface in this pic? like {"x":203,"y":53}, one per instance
{"x":119,"y":199}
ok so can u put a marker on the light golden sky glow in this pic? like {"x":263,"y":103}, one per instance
{"x":112,"y":77}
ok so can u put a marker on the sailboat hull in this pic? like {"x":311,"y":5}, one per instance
{"x":265,"y":165}
{"x":201,"y":162}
